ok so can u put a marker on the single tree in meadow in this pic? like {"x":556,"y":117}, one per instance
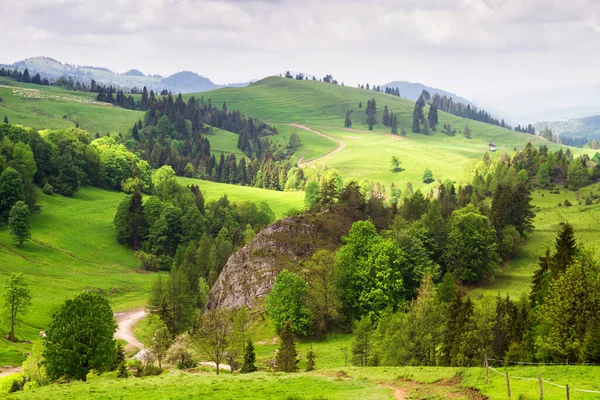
{"x":212,"y":334}
{"x":418,"y":116}
{"x":468,"y":133}
{"x":386,"y":116}
{"x":394,"y":124}
{"x":80,"y":338}
{"x":348,"y":121}
{"x":395,"y":164}
{"x":5,"y":119}
{"x":19,"y":222}
{"x":310,"y":360}
{"x":294,"y":142}
{"x":427,"y":176}
{"x":287,"y":303}
{"x":249,"y":364}
{"x":11,"y":191}
{"x":17,"y":298}
{"x":287,"y":357}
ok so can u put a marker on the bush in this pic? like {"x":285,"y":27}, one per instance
{"x":48,"y":189}
{"x":122,"y":371}
{"x":149,"y":262}
{"x":137,"y":365}
{"x":567,"y":203}
{"x":151,"y":370}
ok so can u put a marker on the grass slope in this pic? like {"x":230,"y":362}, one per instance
{"x":43,"y":107}
{"x":367,"y":154}
{"x":515,"y":278}
{"x":72,"y":249}
{"x":280,"y":202}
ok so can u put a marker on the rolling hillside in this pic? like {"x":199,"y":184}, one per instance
{"x":366,"y":154}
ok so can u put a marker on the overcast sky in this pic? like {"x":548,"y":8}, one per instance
{"x":471,"y":47}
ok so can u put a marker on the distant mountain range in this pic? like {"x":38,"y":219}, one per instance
{"x":184,"y":82}
{"x":579,"y":130}
{"x":412,"y":91}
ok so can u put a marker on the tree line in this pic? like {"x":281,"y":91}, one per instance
{"x":558,"y":321}
{"x":24,"y":76}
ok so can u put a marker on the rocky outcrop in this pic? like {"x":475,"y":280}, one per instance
{"x":249,"y":274}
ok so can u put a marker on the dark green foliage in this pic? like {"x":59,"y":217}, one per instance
{"x":6,"y":119}
{"x":286,"y":303}
{"x":427,"y":176}
{"x":249,"y":364}
{"x":310,"y":360}
{"x":371,"y":113}
{"x":19,"y":223}
{"x":432,"y":117}
{"x":348,"y":121}
{"x":294,"y":142}
{"x":130,"y":222}
{"x":80,"y":338}
{"x":11,"y":191}
{"x":565,"y":250}
{"x":394,"y":125}
{"x":418,"y":116}
{"x":386,"y":116}
{"x":471,"y":251}
{"x":287,"y":357}
{"x":511,"y":205}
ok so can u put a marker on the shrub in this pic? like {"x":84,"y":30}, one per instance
{"x":48,"y":189}
{"x":151,"y":370}
{"x":567,"y":203}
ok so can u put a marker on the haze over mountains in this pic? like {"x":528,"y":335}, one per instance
{"x":184,"y":81}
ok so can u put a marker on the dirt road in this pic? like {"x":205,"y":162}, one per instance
{"x":301,"y":163}
{"x":125,"y":321}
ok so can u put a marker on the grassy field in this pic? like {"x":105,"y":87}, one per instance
{"x":280,"y":202}
{"x":333,"y":383}
{"x":73,"y":248}
{"x":367,"y":153}
{"x":224,"y":141}
{"x":47,"y":107}
{"x":515,"y":278}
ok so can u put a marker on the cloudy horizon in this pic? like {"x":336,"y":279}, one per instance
{"x":479,"y":48}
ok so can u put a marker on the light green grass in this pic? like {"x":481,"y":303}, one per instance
{"x":514,"y":279}
{"x":73,"y":248}
{"x":367,"y":154}
{"x":222,"y":141}
{"x":280,"y":202}
{"x":48,"y":113}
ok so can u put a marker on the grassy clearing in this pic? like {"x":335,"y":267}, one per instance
{"x":72,"y":249}
{"x":225,"y":142}
{"x":49,"y":111}
{"x":515,"y":278}
{"x":280,"y":202}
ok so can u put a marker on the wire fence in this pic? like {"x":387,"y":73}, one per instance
{"x":539,"y":378}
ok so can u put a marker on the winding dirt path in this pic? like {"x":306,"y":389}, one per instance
{"x":126,"y":320}
{"x":399,"y":393}
{"x":341,"y":145}
{"x":9,"y":371}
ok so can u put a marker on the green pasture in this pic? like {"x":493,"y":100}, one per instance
{"x":280,"y":202}
{"x":73,"y":248}
{"x":55,"y":108}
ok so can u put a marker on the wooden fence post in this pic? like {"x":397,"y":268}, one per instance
{"x":507,"y":384}
{"x":486,"y":370}
{"x":541,"y":387}
{"x":568,"y":396}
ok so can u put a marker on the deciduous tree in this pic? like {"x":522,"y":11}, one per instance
{"x":17,"y":298}
{"x":19,"y":222}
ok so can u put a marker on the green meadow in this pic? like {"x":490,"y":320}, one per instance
{"x":73,"y":248}
{"x":280,"y":202}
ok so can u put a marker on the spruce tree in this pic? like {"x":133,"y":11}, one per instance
{"x":565,"y":250}
{"x":5,"y":119}
{"x":418,"y":115}
{"x":310,"y":360}
{"x":386,"y":116}
{"x":249,"y":364}
{"x":394,"y":124}
{"x":348,"y":121}
{"x":287,"y":360}
{"x":432,"y":117}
